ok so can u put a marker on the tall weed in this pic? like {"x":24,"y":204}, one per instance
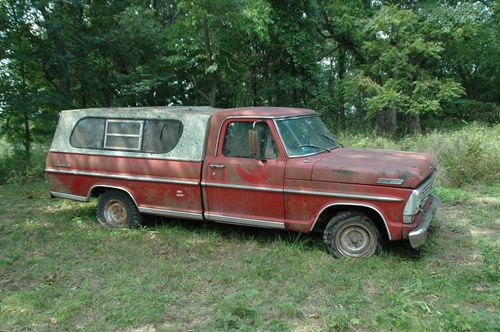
{"x":466,"y":156}
{"x":15,"y":168}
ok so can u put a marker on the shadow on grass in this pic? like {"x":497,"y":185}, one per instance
{"x":310,"y":241}
{"x":228,"y":231}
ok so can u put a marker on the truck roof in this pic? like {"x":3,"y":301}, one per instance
{"x":140,"y":111}
{"x":270,"y":112}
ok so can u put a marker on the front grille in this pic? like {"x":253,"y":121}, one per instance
{"x":425,"y":190}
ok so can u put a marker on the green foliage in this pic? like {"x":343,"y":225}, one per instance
{"x":238,"y":311}
{"x":468,"y":32}
{"x":447,"y":194}
{"x":471,"y":157}
{"x":360,"y":64}
{"x":400,"y":65}
{"x":466,"y":110}
{"x":14,"y":168}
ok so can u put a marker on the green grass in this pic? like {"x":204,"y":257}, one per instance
{"x":60,"y":270}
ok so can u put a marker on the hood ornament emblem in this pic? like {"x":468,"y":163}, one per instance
{"x":389,"y":181}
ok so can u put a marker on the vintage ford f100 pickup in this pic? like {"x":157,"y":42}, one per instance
{"x":257,"y":166}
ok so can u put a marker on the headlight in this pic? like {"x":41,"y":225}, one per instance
{"x":411,"y":207}
{"x":417,"y":199}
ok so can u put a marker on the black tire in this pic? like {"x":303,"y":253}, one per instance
{"x":116,"y":210}
{"x":352,"y":234}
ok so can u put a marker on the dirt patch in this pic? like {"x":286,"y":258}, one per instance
{"x":145,"y":328}
{"x":451,"y":212}
{"x":484,"y":201}
{"x":485,"y":232}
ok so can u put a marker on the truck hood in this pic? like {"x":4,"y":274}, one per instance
{"x":374,"y":167}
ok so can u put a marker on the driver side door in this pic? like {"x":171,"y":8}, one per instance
{"x":239,"y":188}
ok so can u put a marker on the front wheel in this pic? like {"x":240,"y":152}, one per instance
{"x":352,"y":234}
{"x":116,"y":209}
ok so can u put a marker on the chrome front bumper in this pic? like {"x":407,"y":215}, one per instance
{"x":418,"y":236}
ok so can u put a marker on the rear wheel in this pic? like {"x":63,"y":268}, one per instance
{"x":352,"y":234}
{"x":116,"y":209}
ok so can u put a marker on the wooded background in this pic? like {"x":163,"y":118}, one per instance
{"x":389,"y":66}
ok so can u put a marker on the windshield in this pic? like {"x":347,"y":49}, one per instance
{"x":305,"y":136}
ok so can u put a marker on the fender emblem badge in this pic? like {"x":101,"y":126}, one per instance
{"x":389,"y":181}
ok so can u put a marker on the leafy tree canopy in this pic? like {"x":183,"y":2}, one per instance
{"x":361,"y":64}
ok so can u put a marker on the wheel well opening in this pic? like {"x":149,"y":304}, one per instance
{"x":331,"y":211}
{"x":98,"y":191}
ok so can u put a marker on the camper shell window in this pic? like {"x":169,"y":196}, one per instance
{"x":141,"y":135}
{"x":161,"y":136}
{"x":123,"y":134}
{"x":88,"y":133}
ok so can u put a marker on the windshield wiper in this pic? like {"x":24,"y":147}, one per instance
{"x":332,"y":140}
{"x":329,"y":138}
{"x":313,"y":146}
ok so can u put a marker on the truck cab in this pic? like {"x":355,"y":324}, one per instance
{"x":264,"y":167}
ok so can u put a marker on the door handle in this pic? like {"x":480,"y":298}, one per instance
{"x":217,"y":166}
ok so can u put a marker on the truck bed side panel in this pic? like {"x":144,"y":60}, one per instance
{"x":153,"y":183}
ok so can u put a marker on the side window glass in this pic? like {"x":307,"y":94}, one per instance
{"x":236,"y":140}
{"x":161,"y":136}
{"x":123,"y":134}
{"x":88,"y":133}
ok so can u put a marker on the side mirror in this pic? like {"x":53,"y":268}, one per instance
{"x":253,"y":143}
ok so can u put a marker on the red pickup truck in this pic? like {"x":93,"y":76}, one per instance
{"x":256,"y":166}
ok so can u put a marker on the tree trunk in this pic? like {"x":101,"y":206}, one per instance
{"x":341,"y":74}
{"x":331,"y":93}
{"x":55,"y":34}
{"x":277,"y":90}
{"x":360,"y":111}
{"x":253,"y":85}
{"x":25,"y":112}
{"x":386,"y":121}
{"x":414,"y":124}
{"x":213,"y":76}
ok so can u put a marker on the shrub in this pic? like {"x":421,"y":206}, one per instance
{"x":15,"y":168}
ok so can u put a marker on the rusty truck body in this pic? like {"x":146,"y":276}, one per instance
{"x":257,"y":166}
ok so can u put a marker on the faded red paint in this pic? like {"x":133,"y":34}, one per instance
{"x":152,"y":194}
{"x":302,"y":210}
{"x":366,"y":166}
{"x":343,"y":171}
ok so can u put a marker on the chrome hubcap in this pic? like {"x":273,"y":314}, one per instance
{"x":115,"y":213}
